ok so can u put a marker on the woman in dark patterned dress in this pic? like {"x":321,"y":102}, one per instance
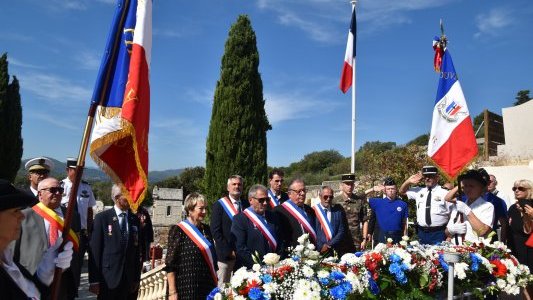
{"x":190,"y":268}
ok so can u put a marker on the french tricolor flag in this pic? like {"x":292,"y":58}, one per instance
{"x":121,"y":100}
{"x":452,"y":143}
{"x":349,"y":57}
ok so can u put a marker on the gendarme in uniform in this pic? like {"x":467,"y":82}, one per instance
{"x":357,"y":212}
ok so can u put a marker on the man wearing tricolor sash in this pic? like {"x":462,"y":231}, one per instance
{"x":276,"y":195}
{"x":222,"y":213}
{"x":296,"y":218}
{"x":41,"y":229}
{"x":330,"y":222}
{"x":256,"y":229}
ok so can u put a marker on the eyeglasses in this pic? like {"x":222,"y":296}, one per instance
{"x":520,"y":188}
{"x":54,"y":190}
{"x":327,"y":197}
{"x":278,"y":180}
{"x":262,"y":200}
{"x":298,"y":191}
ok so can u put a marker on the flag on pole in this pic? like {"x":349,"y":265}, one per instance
{"x":119,"y":141}
{"x":452,"y":143}
{"x":349,"y":57}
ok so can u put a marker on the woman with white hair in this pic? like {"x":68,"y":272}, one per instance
{"x":520,"y":221}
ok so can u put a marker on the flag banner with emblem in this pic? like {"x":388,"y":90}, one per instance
{"x":349,"y":57}
{"x":452,"y":143}
{"x":119,"y":141}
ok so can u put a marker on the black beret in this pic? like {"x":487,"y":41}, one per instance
{"x":11,"y":197}
{"x":389,"y":181}
{"x":474,"y":175}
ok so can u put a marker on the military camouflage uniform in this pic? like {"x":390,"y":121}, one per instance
{"x":357,"y":212}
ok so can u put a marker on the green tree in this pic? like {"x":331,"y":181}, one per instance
{"x":314,"y":162}
{"x":477,"y":123}
{"x":522,"y":97}
{"x":421,"y":140}
{"x":10,"y":123}
{"x":237,"y":142}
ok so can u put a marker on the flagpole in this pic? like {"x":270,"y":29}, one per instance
{"x":80,"y":164}
{"x":353,"y":102}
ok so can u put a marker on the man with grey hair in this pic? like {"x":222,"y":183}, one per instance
{"x":40,"y":230}
{"x":330,"y":223}
{"x":223,"y":212}
{"x":296,"y":218}
{"x":256,"y":228}
{"x":115,"y":271}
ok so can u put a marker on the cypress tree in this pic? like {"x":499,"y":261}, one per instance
{"x":237,"y":143}
{"x":10,"y":123}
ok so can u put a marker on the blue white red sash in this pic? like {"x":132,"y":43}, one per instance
{"x":299,"y":215}
{"x":262,"y":226}
{"x":274,"y":201}
{"x":206,"y":248}
{"x":228,"y":207}
{"x":325,"y":224}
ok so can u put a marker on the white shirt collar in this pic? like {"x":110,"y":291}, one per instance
{"x":118,"y":211}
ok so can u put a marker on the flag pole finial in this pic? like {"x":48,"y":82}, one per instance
{"x":443,"y":39}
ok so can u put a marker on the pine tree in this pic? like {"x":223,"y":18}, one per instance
{"x":10,"y":123}
{"x":237,"y":142}
{"x":522,"y":97}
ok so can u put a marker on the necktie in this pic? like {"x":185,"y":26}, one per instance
{"x":52,"y":235}
{"x":428,"y":208}
{"x":238,"y":205}
{"x":123,"y":230}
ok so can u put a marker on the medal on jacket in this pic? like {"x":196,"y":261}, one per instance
{"x":110,"y":230}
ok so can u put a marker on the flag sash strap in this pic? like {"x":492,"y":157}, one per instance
{"x":262,"y":226}
{"x":275,"y":200}
{"x":205,"y":247}
{"x":321,"y":214}
{"x":52,"y":217}
{"x":228,"y":207}
{"x":300,"y":217}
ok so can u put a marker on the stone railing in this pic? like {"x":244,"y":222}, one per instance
{"x":153,"y":284}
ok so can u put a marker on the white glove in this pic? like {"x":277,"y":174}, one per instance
{"x":457,"y":228}
{"x":463,"y":208}
{"x":51,"y":259}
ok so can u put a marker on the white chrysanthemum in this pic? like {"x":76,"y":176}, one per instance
{"x":238,"y":277}
{"x":311,"y":247}
{"x":311,"y":262}
{"x":405,"y":238}
{"x":380,"y":247}
{"x":271,"y":258}
{"x":511,"y":279}
{"x":303,"y":238}
{"x":308,"y":272}
{"x":389,"y":240}
{"x":348,"y":259}
{"x":513,"y":290}
{"x":322,"y":274}
{"x":270,"y":288}
{"x":460,"y":270}
{"x":414,"y":243}
{"x":500,"y":283}
{"x":485,"y":262}
{"x":299,"y":248}
{"x":355,"y":281}
{"x":218,"y":296}
{"x":403,"y":243}
{"x":290,"y":262}
{"x":313,"y":254}
{"x":256,"y":267}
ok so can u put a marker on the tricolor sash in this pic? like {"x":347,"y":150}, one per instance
{"x":205,"y":247}
{"x":274,"y":201}
{"x":322,"y":216}
{"x":52,"y":217}
{"x":299,"y":215}
{"x":228,"y":207}
{"x":262,"y":226}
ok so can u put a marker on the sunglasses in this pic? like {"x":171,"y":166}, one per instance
{"x":298,"y":191}
{"x":327,"y":197}
{"x":54,"y":189}
{"x":520,"y":188}
{"x":262,"y":200}
{"x":40,"y":172}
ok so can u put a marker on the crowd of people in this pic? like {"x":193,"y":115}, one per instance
{"x":242,"y":228}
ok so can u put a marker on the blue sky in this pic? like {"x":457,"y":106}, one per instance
{"x":55,"y":46}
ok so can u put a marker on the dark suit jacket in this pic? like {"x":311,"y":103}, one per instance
{"x":249,"y":239}
{"x":10,"y":290}
{"x":291,"y":229}
{"x":111,"y":262}
{"x":221,"y":230}
{"x":338,"y":229}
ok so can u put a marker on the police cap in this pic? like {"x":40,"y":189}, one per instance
{"x":429,"y":170}
{"x":348,"y":178}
